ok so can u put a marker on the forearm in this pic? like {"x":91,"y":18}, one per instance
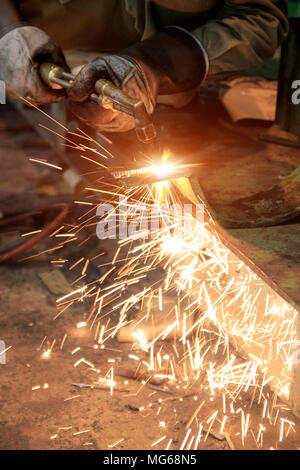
{"x":244,"y":35}
{"x":9,"y":16}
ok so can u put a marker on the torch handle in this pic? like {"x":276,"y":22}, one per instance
{"x":108,"y":96}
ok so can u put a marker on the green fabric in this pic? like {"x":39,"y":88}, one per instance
{"x":243,"y":35}
{"x":288,"y":113}
{"x":268,"y":70}
{"x":294,"y":9}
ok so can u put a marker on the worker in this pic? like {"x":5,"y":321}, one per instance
{"x":153,"y":49}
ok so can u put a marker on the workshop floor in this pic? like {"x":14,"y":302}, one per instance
{"x":57,"y":415}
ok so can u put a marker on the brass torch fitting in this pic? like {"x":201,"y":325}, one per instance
{"x":111,"y":97}
{"x":49,"y":73}
{"x":108,"y":96}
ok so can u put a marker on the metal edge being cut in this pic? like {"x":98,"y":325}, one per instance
{"x":194,"y":193}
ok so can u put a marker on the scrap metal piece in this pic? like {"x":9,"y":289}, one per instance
{"x":267,"y":208}
{"x":56,"y":282}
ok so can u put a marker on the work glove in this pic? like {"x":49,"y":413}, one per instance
{"x":22,"y":50}
{"x":171,"y":61}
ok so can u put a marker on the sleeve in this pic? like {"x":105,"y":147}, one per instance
{"x":243,"y":35}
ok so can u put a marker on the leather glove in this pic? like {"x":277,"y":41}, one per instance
{"x":21,"y":51}
{"x":171,"y":61}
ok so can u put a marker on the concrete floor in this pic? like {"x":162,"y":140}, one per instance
{"x":60,"y":416}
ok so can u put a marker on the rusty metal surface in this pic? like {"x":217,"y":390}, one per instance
{"x":273,"y":253}
{"x":276,"y":252}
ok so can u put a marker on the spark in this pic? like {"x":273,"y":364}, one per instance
{"x":30,"y":233}
{"x":218,"y":297}
{"x":81,"y":432}
{"x":158,"y":441}
{"x":116,"y":443}
{"x":46,"y":163}
{"x":72,"y":398}
{"x":46,"y":353}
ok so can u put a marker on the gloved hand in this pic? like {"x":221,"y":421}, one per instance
{"x":22,"y":50}
{"x":171,"y":61}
